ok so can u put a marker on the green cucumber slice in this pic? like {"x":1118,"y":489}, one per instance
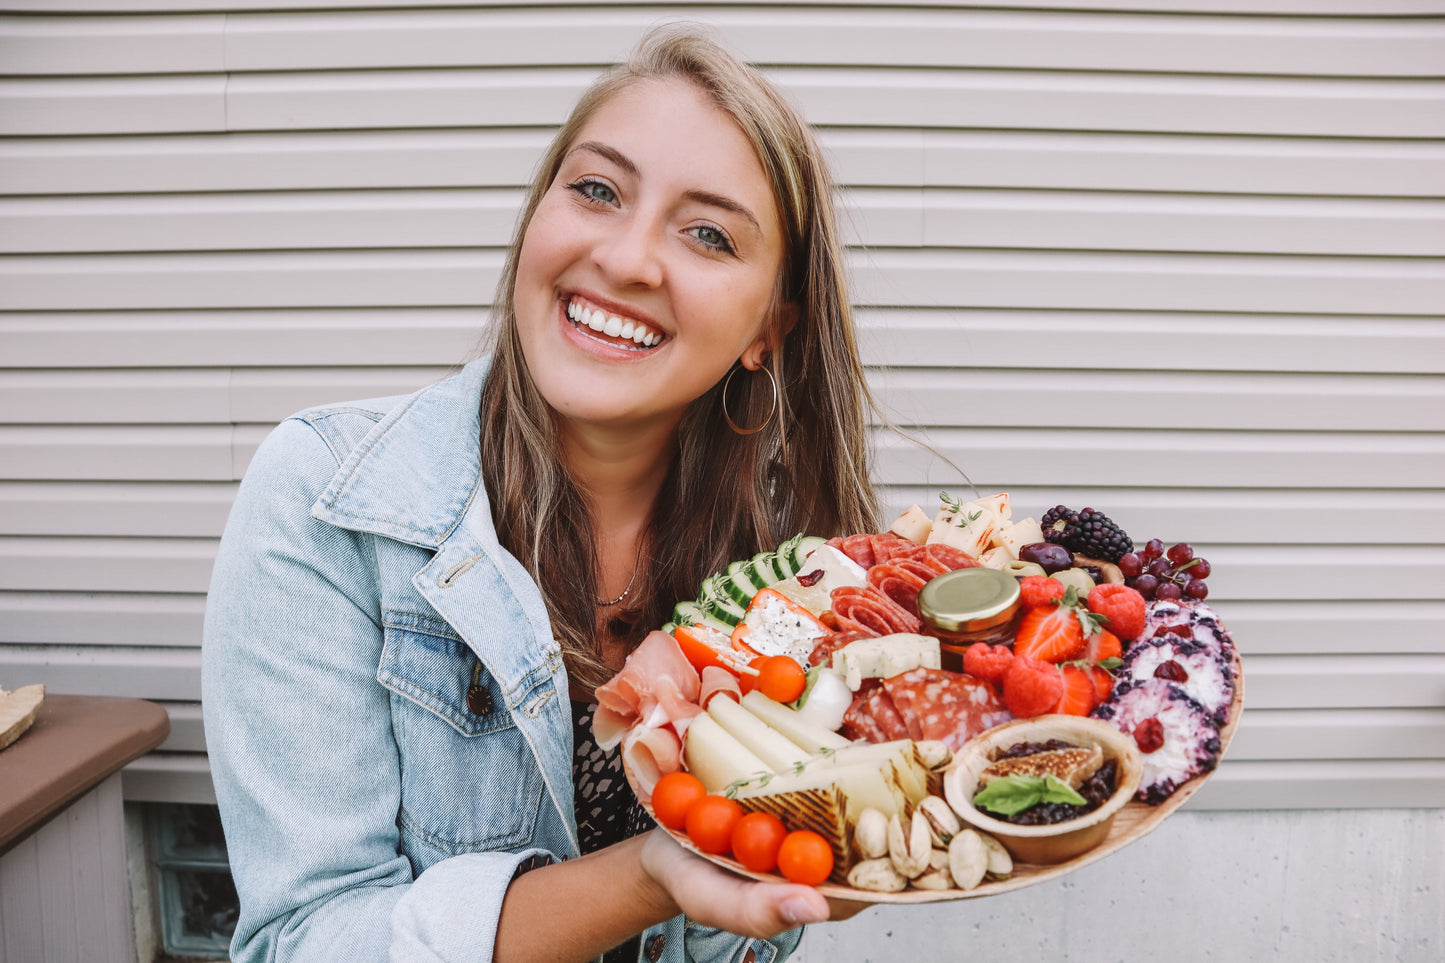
{"x":716,"y":600}
{"x":694,"y":613}
{"x":806,"y":546}
{"x":739,"y":583}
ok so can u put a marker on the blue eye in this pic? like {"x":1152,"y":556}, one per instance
{"x":594,"y":191}
{"x":712,"y":238}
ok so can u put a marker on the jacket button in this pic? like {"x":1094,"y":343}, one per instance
{"x":655,"y":947}
{"x":479,"y":700}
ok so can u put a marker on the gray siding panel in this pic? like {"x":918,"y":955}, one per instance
{"x":1178,"y":259}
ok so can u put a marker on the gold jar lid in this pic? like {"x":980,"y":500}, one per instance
{"x":969,"y":599}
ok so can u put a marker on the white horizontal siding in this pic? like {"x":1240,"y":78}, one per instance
{"x":879,"y":217}
{"x":1177,"y":259}
{"x":490,"y":157}
{"x":1029,"y":39}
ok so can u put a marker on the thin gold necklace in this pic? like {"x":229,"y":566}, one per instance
{"x":636,"y":564}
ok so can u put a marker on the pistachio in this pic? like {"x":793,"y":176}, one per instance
{"x":967,"y":859}
{"x":937,"y":877}
{"x":870,"y":834}
{"x":933,"y":752}
{"x":942,"y":823}
{"x":1000,"y":863}
{"x":876,"y":876}
{"x":910,"y":853}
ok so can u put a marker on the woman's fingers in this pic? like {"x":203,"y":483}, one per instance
{"x":715,"y":897}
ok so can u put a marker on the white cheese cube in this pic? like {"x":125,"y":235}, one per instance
{"x":1016,"y":536}
{"x":913,"y":525}
{"x":997,"y":557}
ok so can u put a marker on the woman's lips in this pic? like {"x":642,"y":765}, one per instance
{"x":610,"y":328}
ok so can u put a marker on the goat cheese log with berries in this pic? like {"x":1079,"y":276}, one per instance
{"x":824,"y":683}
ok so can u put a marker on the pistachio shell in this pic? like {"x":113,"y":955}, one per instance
{"x":909,"y":853}
{"x":876,"y":876}
{"x":942,"y":823}
{"x":967,"y":859}
{"x":1000,"y":862}
{"x":870,"y":834}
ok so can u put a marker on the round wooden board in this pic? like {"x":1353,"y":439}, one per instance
{"x":1135,"y":821}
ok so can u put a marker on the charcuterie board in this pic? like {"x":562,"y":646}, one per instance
{"x":1133,"y":822}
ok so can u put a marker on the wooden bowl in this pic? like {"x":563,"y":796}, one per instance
{"x":1057,"y":842}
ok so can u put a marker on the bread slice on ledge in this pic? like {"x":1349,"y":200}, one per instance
{"x":1072,"y":765}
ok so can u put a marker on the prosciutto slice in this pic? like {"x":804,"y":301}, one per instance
{"x":719,"y":681}
{"x":656,"y":687}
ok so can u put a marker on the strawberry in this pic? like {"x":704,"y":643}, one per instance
{"x":1122,"y":606}
{"x":1103,"y":645}
{"x":1103,"y":683}
{"x":1055,"y":633}
{"x":1037,"y":590}
{"x":1032,"y":688}
{"x":986,"y":661}
{"x":1078,"y":697}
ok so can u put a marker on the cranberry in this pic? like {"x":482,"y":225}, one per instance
{"x":1149,"y":735}
{"x":812,"y":578}
{"x":1172,"y":671}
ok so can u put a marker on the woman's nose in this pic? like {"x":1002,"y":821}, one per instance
{"x":631,"y":255}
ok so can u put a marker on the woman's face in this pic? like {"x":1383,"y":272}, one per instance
{"x":650,"y":264}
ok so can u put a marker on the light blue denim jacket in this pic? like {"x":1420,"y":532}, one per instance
{"x":360,"y":591}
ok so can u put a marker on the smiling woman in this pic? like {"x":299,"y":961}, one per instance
{"x":411,"y":591}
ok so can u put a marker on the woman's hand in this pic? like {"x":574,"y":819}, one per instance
{"x":714,"y":897}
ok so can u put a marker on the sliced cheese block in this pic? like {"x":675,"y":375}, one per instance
{"x":863,"y":785}
{"x":1016,"y":536}
{"x":798,"y":730}
{"x":884,"y":657}
{"x":776,"y":750}
{"x":909,"y":770}
{"x":716,"y":758}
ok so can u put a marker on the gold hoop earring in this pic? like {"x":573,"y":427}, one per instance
{"x":771,"y":408}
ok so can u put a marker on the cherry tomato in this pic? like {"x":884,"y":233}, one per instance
{"x":805,"y":857}
{"x":673,"y":796}
{"x":780,"y":678}
{"x":710,"y":822}
{"x":756,"y":839}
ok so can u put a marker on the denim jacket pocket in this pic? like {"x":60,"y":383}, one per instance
{"x":469,"y":779}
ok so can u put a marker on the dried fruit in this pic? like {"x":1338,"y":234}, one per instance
{"x":1172,"y":671}
{"x":1149,"y":735}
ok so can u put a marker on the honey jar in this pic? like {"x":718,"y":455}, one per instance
{"x":967,"y":606}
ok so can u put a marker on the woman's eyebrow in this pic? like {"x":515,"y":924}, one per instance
{"x":702,"y":197}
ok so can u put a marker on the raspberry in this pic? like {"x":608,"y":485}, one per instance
{"x":1123,"y":606}
{"x":1032,"y":688}
{"x":989,"y":662}
{"x":1037,"y":590}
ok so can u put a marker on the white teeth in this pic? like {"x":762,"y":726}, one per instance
{"x":613,"y":326}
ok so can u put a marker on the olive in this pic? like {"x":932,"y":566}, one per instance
{"x":1052,"y":558}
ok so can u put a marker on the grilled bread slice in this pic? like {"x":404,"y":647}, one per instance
{"x":1072,"y":765}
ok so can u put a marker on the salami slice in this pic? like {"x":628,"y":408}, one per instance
{"x":886,"y":715}
{"x":822,"y":653}
{"x":857,"y":547}
{"x":858,"y":722}
{"x":889,"y":546}
{"x":948,"y":706}
{"x":898,"y":583}
{"x":953,"y":558}
{"x":868,"y":610}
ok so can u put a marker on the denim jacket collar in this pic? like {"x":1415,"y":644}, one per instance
{"x":416,"y":478}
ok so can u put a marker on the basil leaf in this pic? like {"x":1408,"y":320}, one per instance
{"x":1056,"y":790}
{"x":1010,"y":794}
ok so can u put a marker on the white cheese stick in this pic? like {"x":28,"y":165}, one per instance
{"x":800,"y":731}
{"x":776,"y":750}
{"x":716,"y":758}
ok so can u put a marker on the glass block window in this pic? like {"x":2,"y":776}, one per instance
{"x":198,"y":904}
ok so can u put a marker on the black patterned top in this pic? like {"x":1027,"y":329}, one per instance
{"x":607,"y":809}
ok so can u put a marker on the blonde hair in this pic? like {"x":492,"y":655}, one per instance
{"x":806,"y":471}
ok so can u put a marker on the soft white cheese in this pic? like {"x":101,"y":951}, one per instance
{"x":776,"y":629}
{"x":884,"y":657}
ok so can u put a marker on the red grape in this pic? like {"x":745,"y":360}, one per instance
{"x":1131,"y":564}
{"x":1160,"y":568}
{"x":1200,"y":568}
{"x":1197,"y":589}
{"x":1153,"y":549}
{"x":1181,"y":553}
{"x":1145,"y":585}
{"x":1168,"y":590}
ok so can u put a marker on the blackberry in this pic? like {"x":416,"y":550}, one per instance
{"x":1087,"y":532}
{"x":1057,"y":523}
